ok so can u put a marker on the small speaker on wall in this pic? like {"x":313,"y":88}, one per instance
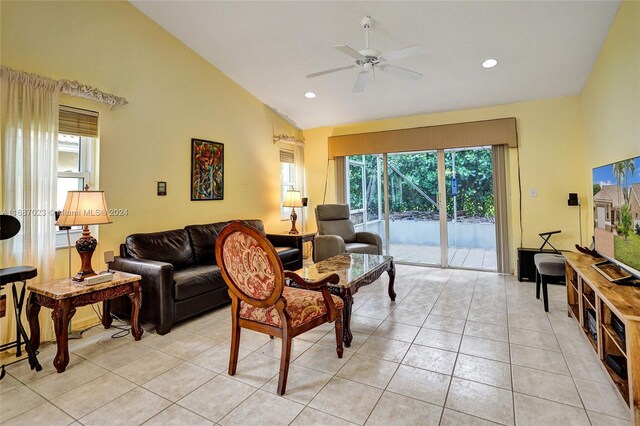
{"x":573,"y":199}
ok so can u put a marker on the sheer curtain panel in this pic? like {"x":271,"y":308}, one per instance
{"x":29,"y":132}
{"x":298,"y":163}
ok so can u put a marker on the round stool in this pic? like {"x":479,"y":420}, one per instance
{"x":547,"y":265}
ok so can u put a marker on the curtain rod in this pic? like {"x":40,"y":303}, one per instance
{"x":69,"y":87}
{"x":289,"y":139}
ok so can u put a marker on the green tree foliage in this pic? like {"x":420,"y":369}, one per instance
{"x":413,"y":183}
{"x":596,"y":188}
{"x":626,"y":221}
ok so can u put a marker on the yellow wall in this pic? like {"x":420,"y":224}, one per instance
{"x":174,"y":95}
{"x":611,"y":97}
{"x":551,"y":159}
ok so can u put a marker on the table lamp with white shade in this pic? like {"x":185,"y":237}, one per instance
{"x":292,"y":199}
{"x":84,"y":208}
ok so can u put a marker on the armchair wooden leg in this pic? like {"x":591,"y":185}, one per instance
{"x":537,"y":284}
{"x":339,"y":335}
{"x":285,"y":357}
{"x":235,"y":348}
{"x":235,"y":338}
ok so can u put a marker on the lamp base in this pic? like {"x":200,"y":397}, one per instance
{"x":293,"y":217}
{"x":85,"y":245}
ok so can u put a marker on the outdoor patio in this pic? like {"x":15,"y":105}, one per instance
{"x":474,"y":258}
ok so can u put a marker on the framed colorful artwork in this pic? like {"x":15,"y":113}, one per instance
{"x":207,"y":170}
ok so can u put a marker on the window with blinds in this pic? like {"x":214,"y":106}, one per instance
{"x":78,"y":122}
{"x":287,"y":178}
{"x":77,"y":140}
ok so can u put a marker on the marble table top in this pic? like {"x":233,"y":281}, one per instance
{"x":351,"y":268}
{"x":65,"y":288}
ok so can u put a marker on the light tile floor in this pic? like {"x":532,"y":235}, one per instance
{"x":457,"y":347}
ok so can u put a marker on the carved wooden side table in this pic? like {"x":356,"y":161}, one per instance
{"x":63,"y":296}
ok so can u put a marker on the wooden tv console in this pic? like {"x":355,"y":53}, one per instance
{"x":588,"y":289}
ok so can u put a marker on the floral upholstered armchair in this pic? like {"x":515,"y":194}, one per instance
{"x":261,"y":301}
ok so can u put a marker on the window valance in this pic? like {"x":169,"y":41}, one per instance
{"x":500,"y":131}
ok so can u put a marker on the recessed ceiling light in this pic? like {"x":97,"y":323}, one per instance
{"x":309,"y":95}
{"x":490,"y":63}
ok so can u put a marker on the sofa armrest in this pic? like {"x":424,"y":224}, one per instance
{"x":281,"y":240}
{"x":369,"y":238}
{"x":326,"y":246}
{"x":157,"y":289}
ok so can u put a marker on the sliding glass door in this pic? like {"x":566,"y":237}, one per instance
{"x":471,"y":241}
{"x":414,"y":215}
{"x":365,"y":193}
{"x":430,"y":208}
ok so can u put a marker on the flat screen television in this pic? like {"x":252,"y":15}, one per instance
{"x":616,"y":213}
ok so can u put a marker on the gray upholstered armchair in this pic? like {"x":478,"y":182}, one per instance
{"x":337,"y":235}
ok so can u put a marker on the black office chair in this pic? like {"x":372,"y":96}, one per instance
{"x":9,"y":227}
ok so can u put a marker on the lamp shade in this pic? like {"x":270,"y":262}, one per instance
{"x":292,"y":199}
{"x":84,"y":208}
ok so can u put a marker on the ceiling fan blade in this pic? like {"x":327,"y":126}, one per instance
{"x":318,"y":74}
{"x":401,"y":72}
{"x":403,"y":53}
{"x":350,"y":52}
{"x":361,"y":81}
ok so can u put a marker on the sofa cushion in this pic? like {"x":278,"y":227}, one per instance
{"x":361,"y":248}
{"x":203,"y":241}
{"x":288,"y":255}
{"x":168,"y":246}
{"x":254,"y":223}
{"x":196,"y":280}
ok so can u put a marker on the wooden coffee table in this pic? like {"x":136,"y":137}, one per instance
{"x":355,"y":271}
{"x":65,"y":295}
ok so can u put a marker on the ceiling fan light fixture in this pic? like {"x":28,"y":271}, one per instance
{"x":309,"y":95}
{"x":490,"y":63}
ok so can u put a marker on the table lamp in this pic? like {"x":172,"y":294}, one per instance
{"x":84,"y":208}
{"x":292,"y":199}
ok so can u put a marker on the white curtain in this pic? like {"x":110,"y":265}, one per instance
{"x":29,"y":117}
{"x":298,"y":164}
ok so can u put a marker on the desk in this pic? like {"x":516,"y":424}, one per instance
{"x":63,"y":296}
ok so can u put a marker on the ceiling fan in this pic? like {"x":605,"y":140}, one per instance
{"x":371,"y":59}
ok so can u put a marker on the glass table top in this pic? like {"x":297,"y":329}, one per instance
{"x":351,"y":268}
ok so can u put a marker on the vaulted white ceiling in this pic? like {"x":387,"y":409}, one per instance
{"x":545,"y":49}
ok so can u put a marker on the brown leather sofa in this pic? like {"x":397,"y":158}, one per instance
{"x":180,"y":277}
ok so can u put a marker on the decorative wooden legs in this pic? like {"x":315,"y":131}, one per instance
{"x":347,"y":298}
{"x":106,"y":314}
{"x":33,"y":309}
{"x":339,"y":336}
{"x":285,"y":358}
{"x":392,"y":280}
{"x":136,"y":301}
{"x":61,"y":315}
{"x":235,"y":335}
